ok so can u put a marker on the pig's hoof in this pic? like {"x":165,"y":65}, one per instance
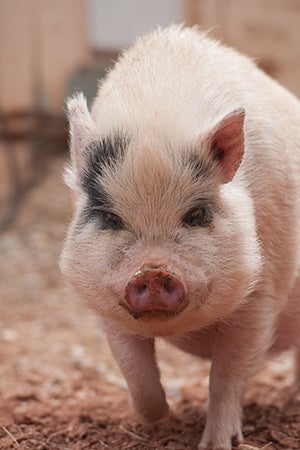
{"x":154,"y":417}
{"x":149,"y":415}
{"x":220,"y":443}
{"x":222,"y":435}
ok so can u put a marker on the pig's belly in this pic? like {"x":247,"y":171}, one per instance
{"x":198,"y":343}
{"x":287,"y":331}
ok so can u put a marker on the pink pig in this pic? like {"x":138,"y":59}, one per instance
{"x":186,"y":188}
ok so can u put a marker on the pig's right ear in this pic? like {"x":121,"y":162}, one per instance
{"x":226,"y":142}
{"x":82,"y":132}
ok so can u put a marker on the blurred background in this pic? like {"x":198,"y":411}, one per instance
{"x":59,"y":387}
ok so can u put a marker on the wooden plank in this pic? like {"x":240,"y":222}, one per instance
{"x":16,"y":81}
{"x":267,"y":31}
{"x":41,"y":43}
{"x":63,"y":47}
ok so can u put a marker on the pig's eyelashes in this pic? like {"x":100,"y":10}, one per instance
{"x":197,"y":217}
{"x":110,"y":221}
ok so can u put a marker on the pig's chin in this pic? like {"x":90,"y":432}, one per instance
{"x":152,"y":315}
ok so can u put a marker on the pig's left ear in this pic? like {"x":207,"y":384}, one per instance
{"x":82,"y":132}
{"x":82,"y":129}
{"x":226,"y":141}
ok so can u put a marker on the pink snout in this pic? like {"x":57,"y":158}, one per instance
{"x":155,"y":289}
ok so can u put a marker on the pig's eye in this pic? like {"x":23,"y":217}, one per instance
{"x":111,"y":221}
{"x":197,"y":217}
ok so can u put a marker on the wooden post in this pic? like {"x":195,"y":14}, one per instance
{"x":41,"y":43}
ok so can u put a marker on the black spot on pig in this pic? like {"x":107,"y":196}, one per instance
{"x":110,"y":221}
{"x":104,"y":153}
{"x":199,"y":168}
{"x":218,"y":153}
{"x":100,"y":156}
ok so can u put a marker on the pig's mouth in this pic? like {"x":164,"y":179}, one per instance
{"x":152,"y":314}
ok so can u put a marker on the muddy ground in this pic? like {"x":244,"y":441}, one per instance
{"x":59,"y":386}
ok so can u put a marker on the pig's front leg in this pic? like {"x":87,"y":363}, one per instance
{"x":239,"y":347}
{"x":136,"y":359}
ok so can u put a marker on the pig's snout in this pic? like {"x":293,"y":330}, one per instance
{"x":155,"y":290}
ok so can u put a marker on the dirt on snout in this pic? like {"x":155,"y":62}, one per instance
{"x":59,"y":386}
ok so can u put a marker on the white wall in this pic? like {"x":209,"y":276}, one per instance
{"x":114,"y":24}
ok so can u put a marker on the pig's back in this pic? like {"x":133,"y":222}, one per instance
{"x":177,"y":79}
{"x":172,"y":77}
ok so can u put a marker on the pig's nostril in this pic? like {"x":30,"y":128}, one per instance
{"x":168,"y":288}
{"x":141,"y":288}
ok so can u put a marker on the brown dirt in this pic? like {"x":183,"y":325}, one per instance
{"x":59,"y":386}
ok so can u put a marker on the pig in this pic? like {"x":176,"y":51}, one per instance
{"x":185,"y":179}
